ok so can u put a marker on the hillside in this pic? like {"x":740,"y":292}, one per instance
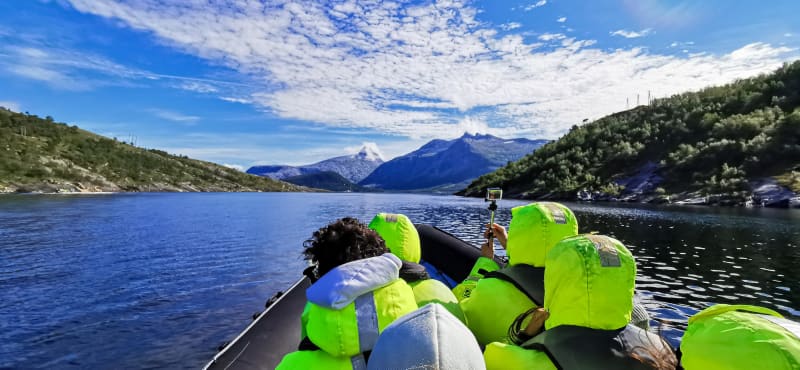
{"x":41,"y":155}
{"x":327,"y":180}
{"x":723,"y":142}
{"x":440,"y":165}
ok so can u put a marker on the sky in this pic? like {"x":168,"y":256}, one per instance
{"x":248,"y":82}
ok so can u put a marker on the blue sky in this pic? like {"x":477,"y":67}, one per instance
{"x":243,"y":82}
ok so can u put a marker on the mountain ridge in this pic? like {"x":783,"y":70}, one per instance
{"x":439,"y":164}
{"x":354,"y":167}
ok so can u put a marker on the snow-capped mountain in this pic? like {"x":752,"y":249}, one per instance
{"x":354,"y":167}
{"x":449,"y":165}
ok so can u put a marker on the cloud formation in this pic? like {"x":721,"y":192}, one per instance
{"x":10,"y":105}
{"x":631,"y":34}
{"x":421,"y":71}
{"x":535,"y":5}
{"x":174,"y":116}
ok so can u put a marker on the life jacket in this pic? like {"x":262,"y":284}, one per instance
{"x":589,"y":283}
{"x":428,"y":338}
{"x":735,"y":337}
{"x":348,"y":307}
{"x":402,"y":239}
{"x":400,"y":235}
{"x":427,"y":290}
{"x":492,"y":298}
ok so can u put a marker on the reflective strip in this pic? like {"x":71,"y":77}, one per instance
{"x":358,"y":362}
{"x":558,"y":214}
{"x":609,"y":256}
{"x":790,"y":326}
{"x":473,"y":278}
{"x":390,"y":217}
{"x":367,"y":317}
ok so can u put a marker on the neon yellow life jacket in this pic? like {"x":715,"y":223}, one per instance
{"x":348,"y":307}
{"x":400,"y":235}
{"x":535,"y":228}
{"x":491,"y":305}
{"x":589,"y":282}
{"x":734,"y":337}
{"x":317,"y":360}
{"x":434,"y":291}
{"x":402,"y":239}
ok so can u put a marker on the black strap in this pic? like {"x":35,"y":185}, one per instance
{"x":307,"y":345}
{"x":528,"y":279}
{"x":411,"y":272}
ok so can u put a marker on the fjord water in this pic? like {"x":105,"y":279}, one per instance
{"x":160,"y":280}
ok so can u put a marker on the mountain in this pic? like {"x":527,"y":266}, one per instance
{"x":722,"y":144}
{"x":41,"y":155}
{"x":352,"y":167}
{"x":444,"y":165}
{"x":327,"y":180}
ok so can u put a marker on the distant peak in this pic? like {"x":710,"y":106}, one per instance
{"x":370,"y":151}
{"x":476,"y":135}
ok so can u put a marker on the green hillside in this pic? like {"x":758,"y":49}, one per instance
{"x":718,"y":141}
{"x":327,"y":180}
{"x":39,"y":154}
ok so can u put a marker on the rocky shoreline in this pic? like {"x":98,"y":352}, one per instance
{"x":81,"y":188}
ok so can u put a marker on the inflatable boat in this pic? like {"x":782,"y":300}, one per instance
{"x":276,"y":331}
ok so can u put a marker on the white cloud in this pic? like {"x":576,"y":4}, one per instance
{"x":236,"y":167}
{"x":632,"y":34}
{"x":561,"y":20}
{"x":174,"y":116}
{"x":421,"y":71}
{"x":235,"y":100}
{"x":552,"y":36}
{"x":10,"y":105}
{"x":535,"y":5}
{"x":199,"y":87}
{"x":510,"y":26}
{"x":787,"y":35}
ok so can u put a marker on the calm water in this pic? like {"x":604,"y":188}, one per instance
{"x":160,"y":280}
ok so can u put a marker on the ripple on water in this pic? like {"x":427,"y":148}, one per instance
{"x":159,"y":280}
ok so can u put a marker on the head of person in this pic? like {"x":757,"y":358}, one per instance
{"x":400,"y":235}
{"x":428,"y":338}
{"x":534,"y":230}
{"x":342,"y":241}
{"x":589,"y":282}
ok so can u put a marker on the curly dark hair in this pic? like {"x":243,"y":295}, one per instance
{"x":342,"y":241}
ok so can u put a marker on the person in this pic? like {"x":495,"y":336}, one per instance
{"x":588,"y":301}
{"x":491,"y":298}
{"x":739,"y":337}
{"x":358,"y":294}
{"x":428,"y":338}
{"x":403,"y":241}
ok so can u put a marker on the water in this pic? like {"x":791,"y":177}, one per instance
{"x":160,"y":280}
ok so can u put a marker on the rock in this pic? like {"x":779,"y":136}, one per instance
{"x":768,"y":193}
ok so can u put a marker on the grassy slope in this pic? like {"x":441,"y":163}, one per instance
{"x":40,"y":154}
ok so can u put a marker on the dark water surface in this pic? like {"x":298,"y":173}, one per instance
{"x":160,"y":280}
